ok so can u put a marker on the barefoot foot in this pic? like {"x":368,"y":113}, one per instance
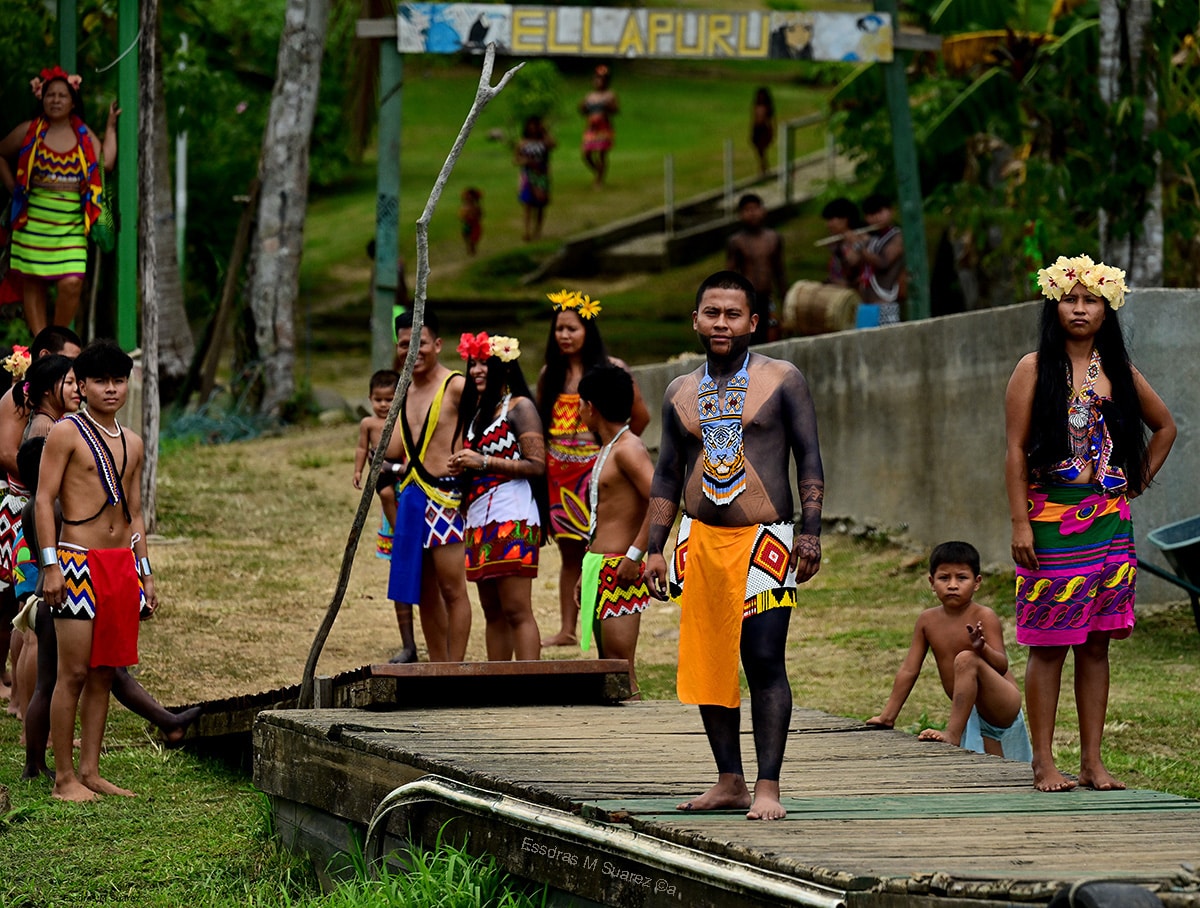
{"x":1099,"y":778}
{"x":1046,"y":777}
{"x":562,"y":638}
{"x":932,"y":734}
{"x":105,"y":787}
{"x":766,"y":805}
{"x":404,"y":656}
{"x":730,"y":793}
{"x":73,"y":790}
{"x":31,"y":772}
{"x":173,"y":732}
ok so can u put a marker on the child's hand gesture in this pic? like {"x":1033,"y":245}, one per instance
{"x":975,"y":632}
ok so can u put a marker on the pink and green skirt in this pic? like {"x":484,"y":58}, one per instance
{"x":1086,"y":567}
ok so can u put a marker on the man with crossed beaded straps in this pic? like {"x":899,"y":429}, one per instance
{"x":728,"y":431}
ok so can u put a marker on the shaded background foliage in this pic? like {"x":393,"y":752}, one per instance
{"x":1017,"y":151}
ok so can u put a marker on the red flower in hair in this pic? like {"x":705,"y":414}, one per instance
{"x":477,"y":346}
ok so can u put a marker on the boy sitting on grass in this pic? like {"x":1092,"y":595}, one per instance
{"x":968,"y":646}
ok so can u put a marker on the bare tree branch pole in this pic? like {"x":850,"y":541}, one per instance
{"x":483,"y":95}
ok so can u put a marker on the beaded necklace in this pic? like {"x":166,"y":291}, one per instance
{"x":1079,"y":402}
{"x":594,"y":482}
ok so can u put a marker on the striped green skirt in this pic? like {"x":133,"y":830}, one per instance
{"x":52,"y":244}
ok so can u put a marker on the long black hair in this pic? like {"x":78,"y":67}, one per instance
{"x":44,"y":375}
{"x":593,"y":353}
{"x":1048,"y":443}
{"x":476,"y":410}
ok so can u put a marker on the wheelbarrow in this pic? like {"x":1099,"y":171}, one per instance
{"x":1180,"y":543}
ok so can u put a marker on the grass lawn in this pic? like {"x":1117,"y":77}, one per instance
{"x":684,"y":109}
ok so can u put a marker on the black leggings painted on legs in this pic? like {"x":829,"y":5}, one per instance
{"x":763,"y":645}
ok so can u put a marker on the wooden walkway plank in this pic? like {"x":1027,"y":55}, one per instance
{"x":896,"y":822}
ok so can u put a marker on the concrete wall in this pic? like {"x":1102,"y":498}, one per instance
{"x":911,"y":418}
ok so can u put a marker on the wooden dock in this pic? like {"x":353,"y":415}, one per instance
{"x":582,"y":797}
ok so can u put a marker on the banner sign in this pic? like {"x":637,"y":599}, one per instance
{"x":577,"y":31}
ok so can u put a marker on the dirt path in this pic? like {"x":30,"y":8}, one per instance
{"x":254,"y":534}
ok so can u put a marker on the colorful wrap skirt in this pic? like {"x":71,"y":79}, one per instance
{"x":12,"y":506}
{"x":52,"y":244}
{"x":602,"y":594}
{"x":569,"y":472}
{"x":722,"y":576}
{"x":1087,"y":567}
{"x":503,"y":533}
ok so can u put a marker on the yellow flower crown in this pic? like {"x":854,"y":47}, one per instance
{"x":17,"y":361}
{"x":582,"y":304}
{"x":1100,"y":279}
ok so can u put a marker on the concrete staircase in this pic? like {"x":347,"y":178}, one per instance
{"x":655,"y":240}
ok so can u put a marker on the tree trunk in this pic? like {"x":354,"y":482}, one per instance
{"x":150,"y":97}
{"x":176,"y":345}
{"x":283,"y":172}
{"x":1127,"y":70}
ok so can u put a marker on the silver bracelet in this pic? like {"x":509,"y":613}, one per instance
{"x":634,"y":553}
{"x":485,"y":462}
{"x":143,"y":567}
{"x":49,"y":557}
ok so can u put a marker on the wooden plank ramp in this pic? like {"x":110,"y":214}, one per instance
{"x":583,"y":797}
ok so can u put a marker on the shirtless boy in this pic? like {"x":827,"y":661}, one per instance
{"x":968,"y":646}
{"x":756,"y":253}
{"x":383,"y":392}
{"x":612,"y":592}
{"x":428,"y":566}
{"x":90,"y":578}
{"x":730,"y":432}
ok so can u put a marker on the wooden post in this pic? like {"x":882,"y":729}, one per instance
{"x":387,"y":206}
{"x":727,"y":176}
{"x":67,"y":42}
{"x":127,"y":176}
{"x":146,"y":123}
{"x":669,"y":195}
{"x":785,"y":163}
{"x":908,"y":176}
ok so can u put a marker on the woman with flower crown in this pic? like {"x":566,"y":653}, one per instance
{"x":503,"y":459}
{"x":57,"y":195}
{"x":1076,"y":415}
{"x":573,"y":347}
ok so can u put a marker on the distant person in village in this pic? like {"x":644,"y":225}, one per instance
{"x":573,"y":347}
{"x":598,"y":107}
{"x":427,"y":547}
{"x":533,"y":159}
{"x":880,"y":258}
{"x":613,"y":592}
{"x":842,"y":219}
{"x":762,"y":126}
{"x":51,"y":340}
{"x":382,"y":388}
{"x":96,"y":576}
{"x":756,"y":252}
{"x":731,"y":431}
{"x":501,"y":458}
{"x":57,"y":195}
{"x":470,"y":216}
{"x":1076,"y":414}
{"x":968,"y":649}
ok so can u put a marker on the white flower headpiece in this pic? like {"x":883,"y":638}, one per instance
{"x":1100,"y":279}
